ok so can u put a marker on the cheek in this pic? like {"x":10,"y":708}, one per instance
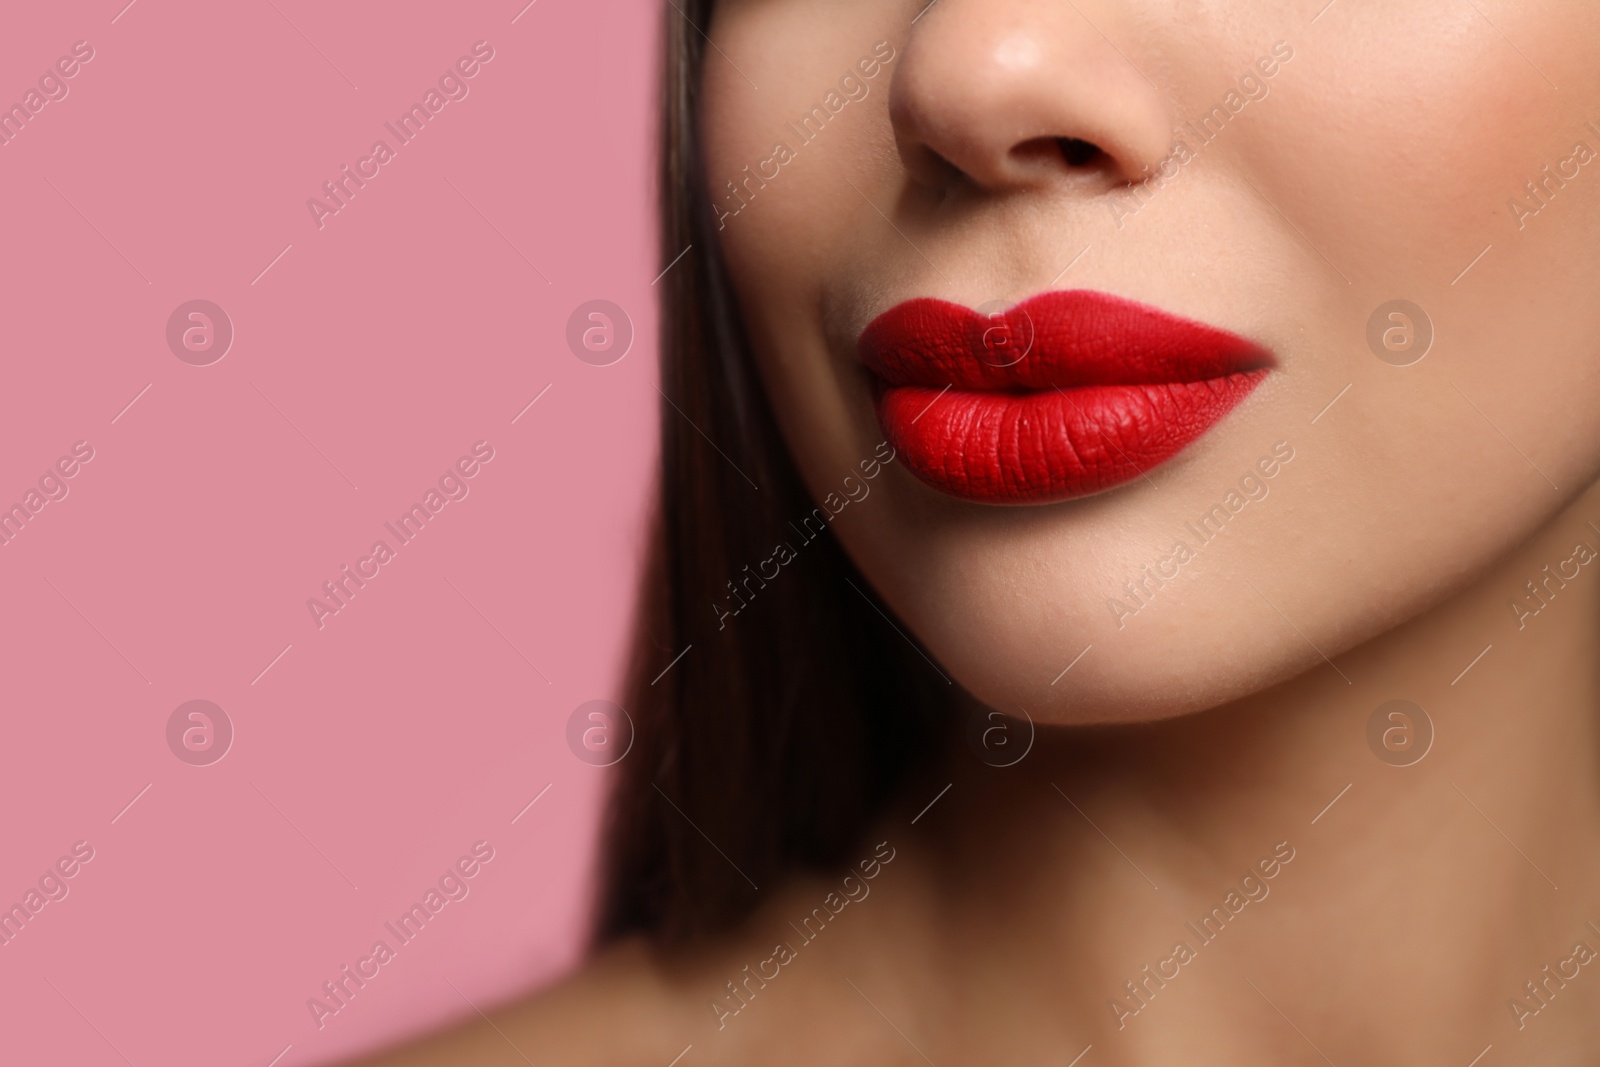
{"x":783,"y":229}
{"x":1398,"y":147}
{"x":783,"y":235}
{"x":1395,"y":142}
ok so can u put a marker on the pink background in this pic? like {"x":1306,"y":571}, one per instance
{"x":179,"y":564}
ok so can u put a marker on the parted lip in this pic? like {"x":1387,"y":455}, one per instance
{"x":1055,"y":340}
{"x":1066,"y":394}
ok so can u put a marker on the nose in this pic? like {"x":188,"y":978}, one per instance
{"x":1015,"y":94}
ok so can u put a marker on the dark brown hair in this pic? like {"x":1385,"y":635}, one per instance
{"x":780,"y":732}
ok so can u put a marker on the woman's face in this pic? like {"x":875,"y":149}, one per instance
{"x":1222,"y":452}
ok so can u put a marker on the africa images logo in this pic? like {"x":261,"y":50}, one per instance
{"x":452,"y":886}
{"x":452,"y":86}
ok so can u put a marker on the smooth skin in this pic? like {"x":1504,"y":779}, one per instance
{"x":1226,"y":711}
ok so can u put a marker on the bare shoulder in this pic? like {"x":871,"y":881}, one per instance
{"x":785,"y":988}
{"x":620,"y":1007}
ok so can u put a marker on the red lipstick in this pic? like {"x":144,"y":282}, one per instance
{"x":1066,"y":394}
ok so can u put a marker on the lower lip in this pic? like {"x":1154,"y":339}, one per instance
{"x":1050,"y":445}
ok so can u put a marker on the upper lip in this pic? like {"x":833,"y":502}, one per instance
{"x":1055,"y":340}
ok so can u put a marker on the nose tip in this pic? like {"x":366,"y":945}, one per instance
{"x":1013,"y":94}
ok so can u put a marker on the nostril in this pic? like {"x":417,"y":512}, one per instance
{"x":1032,"y":160}
{"x":1078,"y":153}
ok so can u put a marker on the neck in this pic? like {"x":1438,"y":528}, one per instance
{"x":1260,"y":879}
